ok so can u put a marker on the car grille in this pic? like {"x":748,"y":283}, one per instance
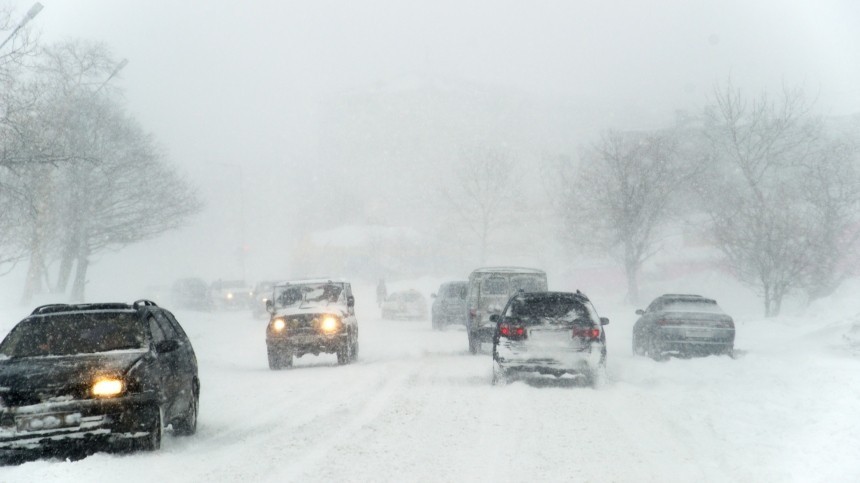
{"x":16,"y":398}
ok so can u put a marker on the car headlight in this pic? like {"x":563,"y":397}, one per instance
{"x":229,"y":295}
{"x":329,"y":324}
{"x":108,"y":387}
{"x":279,"y":324}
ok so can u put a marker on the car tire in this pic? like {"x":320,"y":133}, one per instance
{"x":187,"y":424}
{"x":500,"y":376}
{"x":278,"y":359}
{"x":344,"y":354}
{"x":155,"y":427}
{"x":474,"y":344}
{"x":638,"y":348}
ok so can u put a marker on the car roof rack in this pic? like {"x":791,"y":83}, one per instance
{"x":56,"y":308}
{"x":42,"y":309}
{"x":143,"y":302}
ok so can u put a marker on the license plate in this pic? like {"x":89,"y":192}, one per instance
{"x":698,"y":333}
{"x":47,"y":421}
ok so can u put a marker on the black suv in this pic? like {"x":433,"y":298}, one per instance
{"x":551,"y":333}
{"x":95,"y":376}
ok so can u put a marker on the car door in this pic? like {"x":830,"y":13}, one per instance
{"x":187,"y":360}
{"x":172,"y":362}
{"x":163,"y":371}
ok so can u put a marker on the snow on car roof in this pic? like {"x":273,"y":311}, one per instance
{"x":507,"y":270}
{"x":310,"y":280}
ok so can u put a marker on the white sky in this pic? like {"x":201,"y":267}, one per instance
{"x":240,"y":83}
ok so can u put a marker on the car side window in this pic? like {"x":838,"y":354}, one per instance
{"x":155,"y":330}
{"x":175,"y":324}
{"x":166,"y":328}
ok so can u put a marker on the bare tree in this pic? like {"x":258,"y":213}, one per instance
{"x":482,"y":191}
{"x":127,"y":194}
{"x":616,"y":201}
{"x":778,"y":198}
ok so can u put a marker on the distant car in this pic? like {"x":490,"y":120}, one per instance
{"x":549,"y":333}
{"x":449,"y":305}
{"x":405,"y":305}
{"x":261,"y":294}
{"x":230,"y":294}
{"x":683,"y":324}
{"x":95,"y":376}
{"x":489,"y":291}
{"x":311,"y":317}
{"x":190,"y":293}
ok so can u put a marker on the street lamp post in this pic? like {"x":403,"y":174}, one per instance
{"x":119,"y":67}
{"x":34,"y":10}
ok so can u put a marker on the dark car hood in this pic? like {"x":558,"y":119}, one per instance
{"x":28,"y":373}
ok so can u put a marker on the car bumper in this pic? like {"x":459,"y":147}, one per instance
{"x":705,"y":342}
{"x":300,"y":344}
{"x":518,"y":357}
{"x":75,"y":422}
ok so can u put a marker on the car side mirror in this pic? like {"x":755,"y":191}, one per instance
{"x":166,"y":346}
{"x":432,"y":295}
{"x":350,"y":301}
{"x":604,"y":321}
{"x":640,"y":312}
{"x":495,"y":318}
{"x":270,"y":307}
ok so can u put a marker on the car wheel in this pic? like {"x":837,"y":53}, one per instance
{"x":500,"y":376}
{"x":344,"y":354}
{"x":474,"y":344}
{"x":655,"y":352}
{"x":277,"y":359}
{"x":638,"y":348}
{"x":155,"y":427}
{"x":187,"y":425}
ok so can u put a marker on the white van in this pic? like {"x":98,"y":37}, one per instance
{"x":489,"y":291}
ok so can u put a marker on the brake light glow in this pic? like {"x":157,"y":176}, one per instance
{"x":512,"y":331}
{"x":586,"y":333}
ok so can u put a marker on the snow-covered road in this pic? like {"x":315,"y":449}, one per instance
{"x":417,"y":407}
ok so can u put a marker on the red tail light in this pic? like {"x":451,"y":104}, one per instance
{"x":513,"y":332}
{"x":586,"y":333}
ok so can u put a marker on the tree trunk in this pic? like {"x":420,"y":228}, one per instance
{"x":33,"y":283}
{"x":66,"y":263}
{"x":631,"y":269}
{"x":80,"y":282}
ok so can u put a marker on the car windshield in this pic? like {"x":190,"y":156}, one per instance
{"x":307,"y":295}
{"x":80,"y":333}
{"x":413,"y":297}
{"x":548,"y":309}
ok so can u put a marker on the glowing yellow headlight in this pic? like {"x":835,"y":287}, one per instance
{"x":108,"y":387}
{"x":279,"y":324}
{"x":329,"y":324}
{"x":229,"y":295}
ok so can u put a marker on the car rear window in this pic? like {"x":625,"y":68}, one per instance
{"x":455,"y":292}
{"x":545,"y":309}
{"x":704,"y":306}
{"x":78,"y":333}
{"x":528,"y":284}
{"x":495,"y":286}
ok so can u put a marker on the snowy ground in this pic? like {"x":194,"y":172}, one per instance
{"x":418,"y":407}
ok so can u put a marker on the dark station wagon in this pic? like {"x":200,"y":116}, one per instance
{"x":90,"y":377}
